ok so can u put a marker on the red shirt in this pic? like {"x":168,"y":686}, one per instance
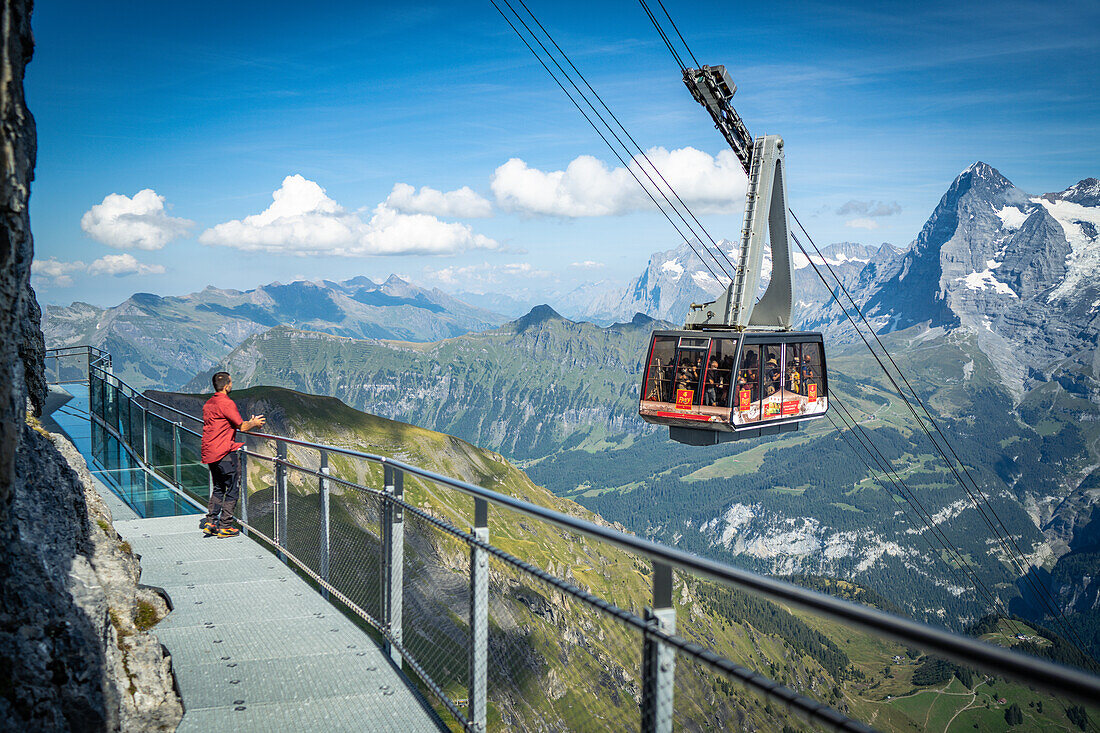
{"x":220,"y":420}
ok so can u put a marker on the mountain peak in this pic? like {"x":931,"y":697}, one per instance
{"x":1085,"y":192}
{"x":393,"y":279}
{"x":537,"y":315}
{"x":983,"y":173}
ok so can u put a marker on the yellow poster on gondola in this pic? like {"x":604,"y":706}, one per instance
{"x":684,"y":398}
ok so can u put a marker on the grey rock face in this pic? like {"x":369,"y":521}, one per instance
{"x":71,"y":657}
{"x":17,"y":150}
{"x":69,"y":596}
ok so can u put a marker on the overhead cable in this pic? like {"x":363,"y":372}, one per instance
{"x":608,"y":143}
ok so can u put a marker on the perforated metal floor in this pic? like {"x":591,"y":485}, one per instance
{"x":255,"y":648}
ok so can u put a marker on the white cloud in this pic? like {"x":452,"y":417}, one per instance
{"x":124,"y":264}
{"x":588,"y":187}
{"x":473,"y":276}
{"x":55,"y":272}
{"x":302,"y":220}
{"x":461,"y":203}
{"x":140,"y":222}
{"x":869,"y":208}
{"x":586,"y":265}
{"x":861,"y":223}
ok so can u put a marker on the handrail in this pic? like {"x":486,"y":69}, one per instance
{"x":1052,"y":677}
{"x":967,"y":650}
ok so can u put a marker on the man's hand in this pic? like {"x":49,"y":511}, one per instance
{"x":256,"y":421}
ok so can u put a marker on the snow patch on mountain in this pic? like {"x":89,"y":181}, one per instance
{"x":1080,"y":224}
{"x":799,"y":260}
{"x":985,"y":280}
{"x":675,"y":268}
{"x":1011,"y":217}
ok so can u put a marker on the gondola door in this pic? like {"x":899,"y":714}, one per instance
{"x":690,"y":372}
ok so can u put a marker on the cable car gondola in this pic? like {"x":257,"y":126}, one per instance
{"x":713,"y":386}
{"x":737,"y":370}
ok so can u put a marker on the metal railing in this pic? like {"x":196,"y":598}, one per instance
{"x":475,"y":623}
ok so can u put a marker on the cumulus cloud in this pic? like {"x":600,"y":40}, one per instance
{"x":55,"y":272}
{"x":141,"y":222}
{"x":475,"y":276}
{"x":302,"y":220}
{"x":588,"y":187}
{"x":861,"y":223}
{"x":124,"y":264}
{"x":461,"y":203}
{"x":869,"y":208}
{"x":586,"y":265}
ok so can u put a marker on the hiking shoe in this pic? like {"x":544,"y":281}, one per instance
{"x":209,"y":529}
{"x":228,"y":532}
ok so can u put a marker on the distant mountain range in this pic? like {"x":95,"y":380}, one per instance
{"x":162,"y":342}
{"x":676,"y":278}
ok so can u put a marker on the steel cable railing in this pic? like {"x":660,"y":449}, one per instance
{"x":460,"y":612}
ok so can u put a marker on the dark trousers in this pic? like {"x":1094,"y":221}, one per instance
{"x":227,"y":487}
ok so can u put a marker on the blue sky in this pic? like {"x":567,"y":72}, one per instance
{"x":213,"y":107}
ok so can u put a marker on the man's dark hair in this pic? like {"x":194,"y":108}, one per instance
{"x":220,"y":380}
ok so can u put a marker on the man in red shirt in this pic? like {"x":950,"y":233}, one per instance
{"x":220,"y":422}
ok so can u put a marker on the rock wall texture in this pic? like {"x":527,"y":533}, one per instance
{"x":20,"y":348}
{"x":75,"y":648}
{"x":75,"y":652}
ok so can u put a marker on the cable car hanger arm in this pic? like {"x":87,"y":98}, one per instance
{"x":765,"y":211}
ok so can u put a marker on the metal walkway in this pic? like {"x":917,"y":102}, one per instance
{"x":255,"y":648}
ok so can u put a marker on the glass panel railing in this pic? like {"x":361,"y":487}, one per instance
{"x":194,"y":475}
{"x":123,"y":423}
{"x":110,"y":404}
{"x":160,"y":452}
{"x":96,"y":394}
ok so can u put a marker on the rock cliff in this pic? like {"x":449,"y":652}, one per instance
{"x":75,"y":652}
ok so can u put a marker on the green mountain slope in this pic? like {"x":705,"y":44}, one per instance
{"x":556,"y":663}
{"x":561,"y":396}
{"x":527,"y":388}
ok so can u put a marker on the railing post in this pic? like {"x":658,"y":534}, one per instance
{"x":393,"y":557}
{"x":479,"y":616}
{"x":242,"y":466}
{"x":323,"y":491}
{"x":176,"y":474}
{"x":280,"y":497}
{"x":659,"y":659}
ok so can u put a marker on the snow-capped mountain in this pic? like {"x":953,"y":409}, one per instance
{"x":676,"y":278}
{"x":1016,"y":269}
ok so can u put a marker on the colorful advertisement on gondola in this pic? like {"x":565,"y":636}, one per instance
{"x":783,"y":403}
{"x":744,"y":400}
{"x":684,"y":398}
